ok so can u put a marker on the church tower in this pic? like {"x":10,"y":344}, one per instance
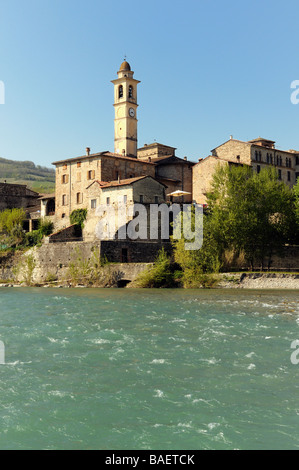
{"x":125,"y":104}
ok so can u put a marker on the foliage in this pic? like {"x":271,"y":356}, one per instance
{"x":250,"y":212}
{"x":93,"y":271}
{"x":78,"y":217}
{"x":45,"y":227}
{"x":33,"y":238}
{"x":160,"y":275}
{"x":250,"y":216}
{"x":11,"y":230}
{"x":198,"y":266}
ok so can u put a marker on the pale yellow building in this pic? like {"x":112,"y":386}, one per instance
{"x":258,"y":153}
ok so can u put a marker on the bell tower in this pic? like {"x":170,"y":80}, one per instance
{"x":125,"y":104}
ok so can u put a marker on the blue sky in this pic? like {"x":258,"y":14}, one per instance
{"x":208,"y":69}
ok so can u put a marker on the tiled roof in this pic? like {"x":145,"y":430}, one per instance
{"x":125,"y":182}
{"x":101,"y":154}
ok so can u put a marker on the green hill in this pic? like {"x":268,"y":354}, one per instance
{"x":36,"y":177}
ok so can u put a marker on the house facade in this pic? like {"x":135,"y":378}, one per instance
{"x":258,"y":153}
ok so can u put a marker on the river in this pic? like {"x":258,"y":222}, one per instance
{"x":167,"y":369}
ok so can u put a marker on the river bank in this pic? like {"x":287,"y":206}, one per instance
{"x":255,"y":280}
{"x":259,"y":280}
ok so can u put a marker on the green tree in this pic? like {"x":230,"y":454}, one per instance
{"x":11,"y":223}
{"x":251,"y":212}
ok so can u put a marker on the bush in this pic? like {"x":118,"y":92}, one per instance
{"x":78,"y":217}
{"x":33,"y":238}
{"x":160,"y":275}
{"x":46,"y":227}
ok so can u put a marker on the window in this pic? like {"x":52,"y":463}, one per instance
{"x":130,"y":91}
{"x":64,"y":167}
{"x":297,"y":160}
{"x":79,"y":198}
{"x":255,"y":155}
{"x":258,"y":168}
{"x":141,"y":198}
{"x":78,"y":164}
{"x":125,"y":199}
{"x":78,"y":177}
{"x":260,"y":156}
{"x":238,"y":158}
{"x":64,"y":179}
{"x":63,"y":216}
{"x":279,"y":174}
{"x":156,"y":199}
{"x":93,"y":203}
{"x":91,"y":175}
{"x":120,"y":91}
{"x":289,"y":176}
{"x":64,"y":199}
{"x":108,"y":201}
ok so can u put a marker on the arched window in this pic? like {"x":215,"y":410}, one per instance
{"x":120,"y":91}
{"x":130,"y":91}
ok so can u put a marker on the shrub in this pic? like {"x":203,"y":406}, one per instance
{"x":78,"y":217}
{"x":33,"y":238}
{"x":46,"y":227}
{"x":159,"y":275}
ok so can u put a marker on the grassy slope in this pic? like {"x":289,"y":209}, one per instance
{"x":40,"y":179}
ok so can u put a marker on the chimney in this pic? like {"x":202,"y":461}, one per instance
{"x":231,"y":137}
{"x":87,"y":151}
{"x":185,"y":158}
{"x":123,"y":152}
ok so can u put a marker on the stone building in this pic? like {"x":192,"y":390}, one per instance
{"x":258,"y":153}
{"x":119,"y":197}
{"x":17,"y":196}
{"x":75,"y":176}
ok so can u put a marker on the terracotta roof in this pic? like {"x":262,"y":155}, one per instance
{"x":125,"y":182}
{"x":155,"y":144}
{"x":47,"y":196}
{"x":259,"y":139}
{"x":101,"y":154}
{"x":170,"y":159}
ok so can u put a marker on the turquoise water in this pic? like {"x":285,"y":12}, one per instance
{"x":121,"y":369}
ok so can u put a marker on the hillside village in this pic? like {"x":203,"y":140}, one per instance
{"x":151,"y":174}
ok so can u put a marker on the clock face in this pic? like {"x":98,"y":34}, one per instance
{"x":131,"y":112}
